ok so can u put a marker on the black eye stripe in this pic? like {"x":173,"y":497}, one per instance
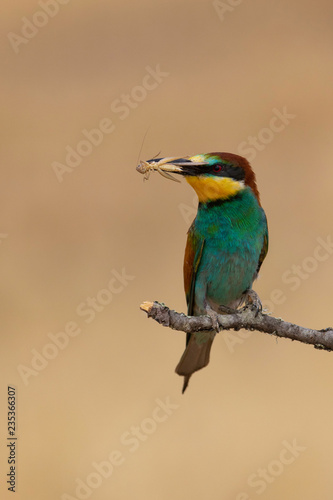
{"x":227,"y":170}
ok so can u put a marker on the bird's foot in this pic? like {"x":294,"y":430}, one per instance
{"x":214,"y":317}
{"x":253,"y":302}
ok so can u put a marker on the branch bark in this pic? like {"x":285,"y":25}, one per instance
{"x":246,"y":319}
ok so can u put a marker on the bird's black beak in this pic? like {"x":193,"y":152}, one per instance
{"x":175,"y":165}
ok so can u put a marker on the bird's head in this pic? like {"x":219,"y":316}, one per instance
{"x":214,"y":176}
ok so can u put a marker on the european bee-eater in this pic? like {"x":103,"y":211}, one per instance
{"x":226,"y":244}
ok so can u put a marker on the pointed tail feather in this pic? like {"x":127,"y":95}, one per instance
{"x":195,"y":357}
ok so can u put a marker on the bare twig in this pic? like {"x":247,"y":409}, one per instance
{"x":246,"y":319}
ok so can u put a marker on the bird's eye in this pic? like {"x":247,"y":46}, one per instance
{"x":217,"y":167}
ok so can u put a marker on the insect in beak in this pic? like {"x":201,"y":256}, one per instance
{"x":146,"y":167}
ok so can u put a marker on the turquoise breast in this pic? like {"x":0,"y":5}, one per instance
{"x":234,"y":233}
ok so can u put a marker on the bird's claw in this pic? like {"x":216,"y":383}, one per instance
{"x":253,"y":302}
{"x":214,"y":317}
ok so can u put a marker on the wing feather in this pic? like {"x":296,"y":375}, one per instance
{"x":264,"y":249}
{"x":193,"y":254}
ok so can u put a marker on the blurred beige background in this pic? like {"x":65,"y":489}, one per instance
{"x":110,"y":395}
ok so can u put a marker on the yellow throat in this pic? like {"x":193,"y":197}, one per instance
{"x":214,"y":188}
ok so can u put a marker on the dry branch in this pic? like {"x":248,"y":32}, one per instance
{"x":246,"y":319}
